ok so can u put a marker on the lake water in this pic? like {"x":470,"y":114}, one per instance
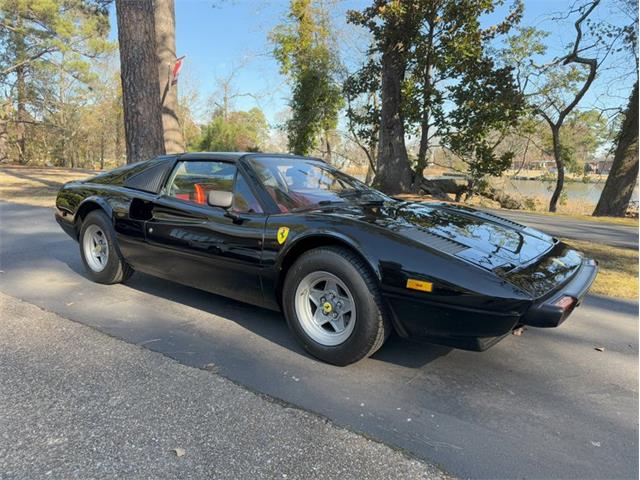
{"x":576,"y":191}
{"x":585,"y":192}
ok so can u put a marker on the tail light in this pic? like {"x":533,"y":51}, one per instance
{"x":566,"y":303}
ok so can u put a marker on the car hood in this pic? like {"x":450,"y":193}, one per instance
{"x":481,"y":238}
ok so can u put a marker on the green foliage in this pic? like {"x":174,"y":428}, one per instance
{"x":549,"y":88}
{"x":554,"y":90}
{"x":529,"y":203}
{"x":303,"y":47}
{"x":521,"y":48}
{"x":452,"y":90}
{"x":49,"y":54}
{"x":63,"y":33}
{"x":239,"y":132}
{"x":582,"y":135}
{"x":391,"y":23}
{"x":456,"y":90}
{"x":487,"y":107}
{"x":362,"y":94}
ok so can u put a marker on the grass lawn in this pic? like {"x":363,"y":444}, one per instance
{"x":36,"y":185}
{"x":629,"y":222}
{"x":618,"y":275}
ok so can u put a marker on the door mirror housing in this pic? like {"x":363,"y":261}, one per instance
{"x":220,"y":198}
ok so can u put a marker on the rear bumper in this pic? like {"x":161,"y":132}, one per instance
{"x":546,"y":313}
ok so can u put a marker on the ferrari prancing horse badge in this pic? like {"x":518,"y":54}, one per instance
{"x":283,"y":232}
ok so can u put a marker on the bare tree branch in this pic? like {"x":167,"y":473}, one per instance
{"x":26,"y":61}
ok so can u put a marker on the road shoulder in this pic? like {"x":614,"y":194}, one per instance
{"x":76,"y":403}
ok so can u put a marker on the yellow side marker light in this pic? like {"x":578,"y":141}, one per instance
{"x":419,"y":285}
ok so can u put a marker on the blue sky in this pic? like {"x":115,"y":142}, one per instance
{"x":219,"y":36}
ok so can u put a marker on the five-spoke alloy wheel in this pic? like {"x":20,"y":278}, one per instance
{"x":325,"y":308}
{"x":333,"y":305}
{"x":99,"y":250}
{"x":96,"y":248}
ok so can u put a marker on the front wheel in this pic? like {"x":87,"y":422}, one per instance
{"x":99,"y":251}
{"x":333,"y":306}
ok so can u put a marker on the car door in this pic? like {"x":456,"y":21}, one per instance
{"x":212,"y":248}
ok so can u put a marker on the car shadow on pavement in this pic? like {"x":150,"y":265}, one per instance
{"x":268,"y":324}
{"x":409,"y":353}
{"x":609,"y":304}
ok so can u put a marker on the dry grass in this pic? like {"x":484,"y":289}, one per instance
{"x":629,"y":222}
{"x":618,"y":275}
{"x":36,"y":186}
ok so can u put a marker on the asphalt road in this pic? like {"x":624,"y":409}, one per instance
{"x":124,"y":411}
{"x":545,"y":404}
{"x":566,"y":227}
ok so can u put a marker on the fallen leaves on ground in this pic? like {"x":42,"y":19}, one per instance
{"x":180,"y":452}
{"x":518,"y":331}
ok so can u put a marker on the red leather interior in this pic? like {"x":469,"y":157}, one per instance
{"x":200,"y":195}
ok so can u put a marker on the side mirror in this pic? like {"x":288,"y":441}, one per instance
{"x":219,"y":198}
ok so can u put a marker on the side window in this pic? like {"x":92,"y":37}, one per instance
{"x":244,"y":201}
{"x":192,"y":181}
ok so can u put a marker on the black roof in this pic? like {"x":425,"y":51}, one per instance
{"x":235,"y":156}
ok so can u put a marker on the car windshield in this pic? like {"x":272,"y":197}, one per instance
{"x":299,"y":184}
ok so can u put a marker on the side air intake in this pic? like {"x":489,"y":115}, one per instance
{"x":444,"y":244}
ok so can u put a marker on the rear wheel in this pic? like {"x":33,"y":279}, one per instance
{"x":333,"y":306}
{"x":99,"y":251}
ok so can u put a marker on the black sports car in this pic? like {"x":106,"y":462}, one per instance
{"x":344,"y":262}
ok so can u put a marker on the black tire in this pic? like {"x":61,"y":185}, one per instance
{"x":372,"y":326}
{"x":116,"y":269}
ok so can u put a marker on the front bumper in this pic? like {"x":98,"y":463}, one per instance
{"x":547,"y":313}
{"x":477,"y":329}
{"x":64,"y":219}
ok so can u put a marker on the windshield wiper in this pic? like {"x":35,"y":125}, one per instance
{"x":353,"y":193}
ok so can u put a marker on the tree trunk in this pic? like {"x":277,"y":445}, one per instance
{"x":102,"y":148}
{"x":424,"y":129}
{"x":139,"y":75}
{"x":5,"y":109}
{"x":328,"y":156}
{"x":557,"y":154}
{"x":592,"y":63}
{"x":623,"y":176}
{"x":118,"y":149}
{"x":426,"y":105}
{"x":165,"y":26}
{"x":22,"y":114}
{"x":394,"y":173}
{"x":18,"y":44}
{"x":371,"y":175}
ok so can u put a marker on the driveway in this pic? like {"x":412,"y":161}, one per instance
{"x":127,"y":412}
{"x":545,"y":404}
{"x":575,"y":228}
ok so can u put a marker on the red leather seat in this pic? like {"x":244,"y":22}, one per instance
{"x":200,"y":195}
